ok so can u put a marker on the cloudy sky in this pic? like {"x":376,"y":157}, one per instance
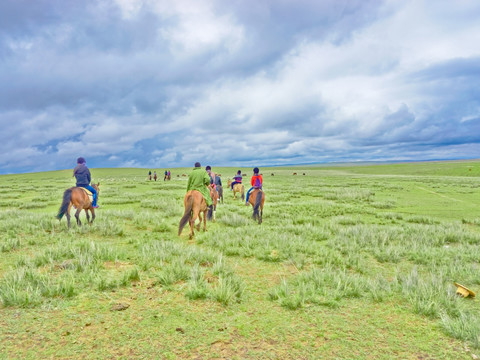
{"x":156,"y":83}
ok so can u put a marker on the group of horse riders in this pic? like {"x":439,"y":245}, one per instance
{"x":256,"y":181}
{"x":198,"y":179}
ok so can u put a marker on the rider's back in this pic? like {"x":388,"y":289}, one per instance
{"x":82,"y":174}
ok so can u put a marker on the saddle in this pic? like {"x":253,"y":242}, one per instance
{"x":89,"y":194}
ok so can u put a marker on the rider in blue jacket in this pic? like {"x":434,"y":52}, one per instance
{"x":83,"y":177}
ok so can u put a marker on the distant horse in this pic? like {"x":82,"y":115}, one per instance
{"x":294,"y":174}
{"x":155,"y":176}
{"x":195,"y":204}
{"x":237,"y":188}
{"x":78,"y":198}
{"x":220,"y":192}
{"x":257,"y":199}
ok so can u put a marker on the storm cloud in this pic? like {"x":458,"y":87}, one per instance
{"x":161,"y":84}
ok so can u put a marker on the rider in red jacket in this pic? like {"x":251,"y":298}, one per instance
{"x":256,"y":181}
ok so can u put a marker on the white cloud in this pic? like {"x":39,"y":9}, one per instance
{"x":140,"y":83}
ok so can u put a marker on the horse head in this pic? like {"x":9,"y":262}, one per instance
{"x":97,"y":188}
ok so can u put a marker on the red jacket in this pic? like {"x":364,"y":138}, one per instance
{"x":257,"y":181}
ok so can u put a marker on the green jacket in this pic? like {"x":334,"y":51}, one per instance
{"x":199,"y":180}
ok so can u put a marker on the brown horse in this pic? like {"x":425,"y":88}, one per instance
{"x":78,"y":198}
{"x":214,"y":196}
{"x":237,"y":188}
{"x":257,"y":199}
{"x":195,"y":204}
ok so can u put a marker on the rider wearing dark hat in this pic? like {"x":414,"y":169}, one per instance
{"x":211,"y":174}
{"x":237,"y":179}
{"x":256,"y":181}
{"x":83,"y":177}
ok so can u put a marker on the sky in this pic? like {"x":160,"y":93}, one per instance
{"x":160,"y":84}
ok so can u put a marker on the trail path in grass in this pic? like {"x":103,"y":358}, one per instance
{"x":436,"y":193}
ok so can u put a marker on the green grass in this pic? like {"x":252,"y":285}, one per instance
{"x":349,"y":262}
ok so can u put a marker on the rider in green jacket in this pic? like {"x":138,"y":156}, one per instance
{"x":199,"y":180}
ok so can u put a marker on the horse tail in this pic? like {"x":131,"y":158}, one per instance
{"x":67,"y":196}
{"x":186,"y":214}
{"x":258,"y":201}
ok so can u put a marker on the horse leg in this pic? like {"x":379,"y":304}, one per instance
{"x":93,"y":214}
{"x":199,"y":220}
{"x":67,"y":214}
{"x":192,"y":225}
{"x":205,"y":220}
{"x":88,"y":216}
{"x":77,"y":216}
{"x":192,"y":219}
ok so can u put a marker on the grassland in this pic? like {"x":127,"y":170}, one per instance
{"x":350,"y":263}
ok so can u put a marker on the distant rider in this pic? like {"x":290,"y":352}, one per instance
{"x":218,"y":180}
{"x":256,"y":181}
{"x":237,"y":179}
{"x":212,"y":176}
{"x":83,"y":177}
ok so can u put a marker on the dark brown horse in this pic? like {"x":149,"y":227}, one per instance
{"x":195,"y":205}
{"x":220,"y":192}
{"x":257,"y":199}
{"x":78,"y":198}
